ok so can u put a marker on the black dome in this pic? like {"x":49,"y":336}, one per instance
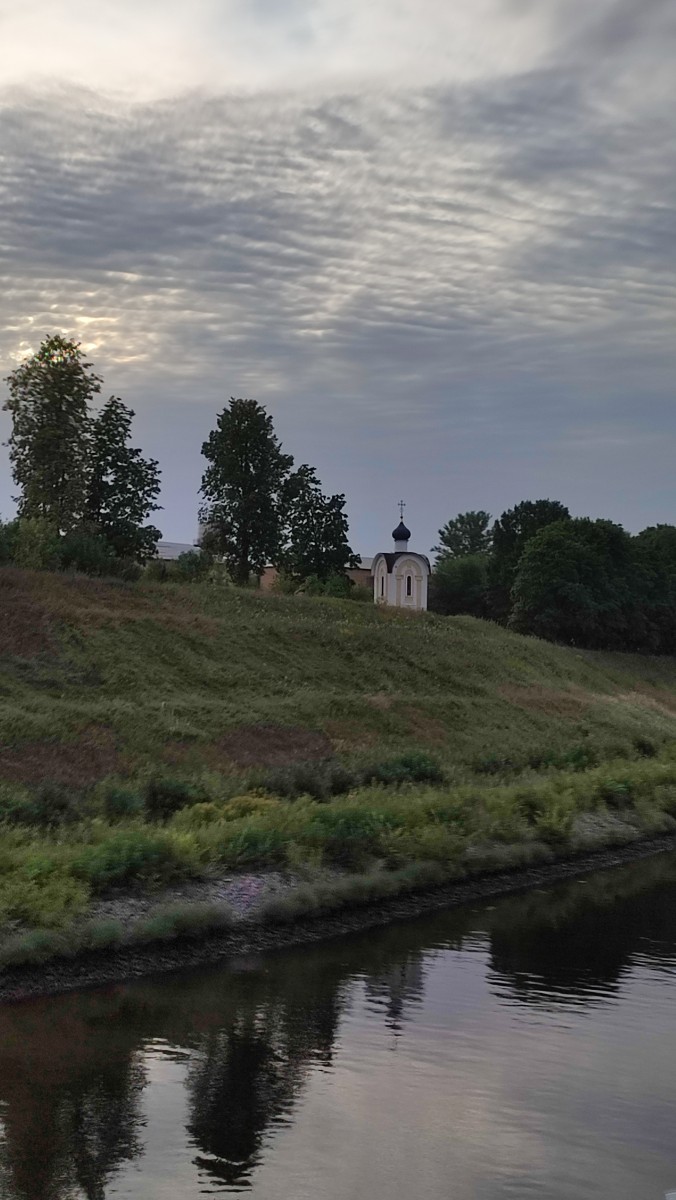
{"x":401,"y":533}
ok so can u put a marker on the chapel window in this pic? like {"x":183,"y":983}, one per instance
{"x":382,"y":585}
{"x":409,"y":585}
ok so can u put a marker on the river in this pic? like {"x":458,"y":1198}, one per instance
{"x":523,"y":1048}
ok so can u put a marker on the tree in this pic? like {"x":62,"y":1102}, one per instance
{"x":511,"y":533}
{"x":576,"y":583}
{"x":122,"y":485}
{"x":49,"y":398}
{"x":468,"y":533}
{"x":241,"y":486}
{"x":315,"y":530}
{"x":459,"y":585}
{"x":655,"y":568}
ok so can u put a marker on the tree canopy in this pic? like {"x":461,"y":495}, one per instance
{"x":315,"y":529}
{"x":468,"y":533}
{"x":511,"y":533}
{"x":122,"y":485}
{"x":49,"y":398}
{"x":241,"y":487}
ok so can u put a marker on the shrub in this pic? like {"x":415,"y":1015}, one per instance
{"x":43,"y":898}
{"x":136,"y":855}
{"x":163,"y":797}
{"x":644,"y":747}
{"x":414,"y":767}
{"x":184,"y":920}
{"x":50,"y":806}
{"x":120,"y":803}
{"x":318,"y":780}
{"x":36,"y":544}
{"x":86,"y":551}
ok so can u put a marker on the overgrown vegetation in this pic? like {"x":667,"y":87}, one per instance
{"x":149,"y":734}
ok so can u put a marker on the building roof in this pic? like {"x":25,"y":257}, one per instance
{"x":173,"y":549}
{"x":391,"y":559}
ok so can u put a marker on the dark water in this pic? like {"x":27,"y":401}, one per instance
{"x":525,"y":1049}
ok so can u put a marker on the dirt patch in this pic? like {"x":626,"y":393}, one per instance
{"x":82,"y":761}
{"x":381,"y":700}
{"x":25,"y":628}
{"x":426,"y":728}
{"x":550,"y":701}
{"x":273,"y":745}
{"x":657,"y":699}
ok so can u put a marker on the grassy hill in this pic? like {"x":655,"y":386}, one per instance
{"x":98,"y":679}
{"x":155,"y":733}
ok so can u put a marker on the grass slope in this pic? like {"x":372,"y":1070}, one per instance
{"x":137,"y":725}
{"x":97,"y":679}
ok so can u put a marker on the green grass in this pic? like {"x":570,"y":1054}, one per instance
{"x":154,"y":733}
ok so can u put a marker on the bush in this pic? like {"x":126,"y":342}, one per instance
{"x":192,"y":566}
{"x":36,"y":544}
{"x":318,"y":780}
{"x":164,"y":797}
{"x":414,"y":767}
{"x":86,"y":551}
{"x":51,"y":806}
{"x":9,"y":531}
{"x":136,"y":855}
{"x":120,"y":803}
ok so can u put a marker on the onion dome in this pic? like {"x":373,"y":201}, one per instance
{"x":401,"y":533}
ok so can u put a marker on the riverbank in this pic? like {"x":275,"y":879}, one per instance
{"x":250,"y":937}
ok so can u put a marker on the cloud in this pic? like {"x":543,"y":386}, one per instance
{"x":485,"y":254}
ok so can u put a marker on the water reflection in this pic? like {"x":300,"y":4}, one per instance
{"x":74,"y":1070}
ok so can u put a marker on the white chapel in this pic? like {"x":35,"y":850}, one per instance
{"x":400,"y":578}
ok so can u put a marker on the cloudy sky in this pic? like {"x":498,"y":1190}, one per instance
{"x":437,"y":240}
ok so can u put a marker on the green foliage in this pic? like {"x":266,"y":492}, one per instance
{"x":314,"y":543}
{"x":49,"y":398}
{"x":413,"y":767}
{"x":9,"y":531}
{"x":135,"y":855}
{"x":241,"y":487}
{"x":181,"y":920}
{"x":36,"y":544}
{"x":575,"y":583}
{"x":460,"y":585}
{"x":193,"y":566}
{"x":511,"y":534}
{"x":122,"y":485}
{"x":84,"y":550}
{"x":467,"y":534}
{"x":48,"y":807}
{"x":162,"y":797}
{"x":121,"y":803}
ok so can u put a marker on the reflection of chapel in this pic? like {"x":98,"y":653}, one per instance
{"x":400,"y":578}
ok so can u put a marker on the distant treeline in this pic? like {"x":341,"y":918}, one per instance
{"x":575,"y":580}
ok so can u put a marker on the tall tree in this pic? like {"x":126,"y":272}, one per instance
{"x":49,"y":398}
{"x":459,"y":585}
{"x":576,"y":583}
{"x":241,"y":487}
{"x":123,"y":485}
{"x":315,"y":529}
{"x":468,"y":533}
{"x":511,"y":534}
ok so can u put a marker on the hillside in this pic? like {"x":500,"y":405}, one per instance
{"x":98,"y":679}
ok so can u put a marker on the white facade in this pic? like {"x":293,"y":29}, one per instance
{"x":400,"y":578}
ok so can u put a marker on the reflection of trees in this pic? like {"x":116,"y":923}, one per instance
{"x":574,"y":942}
{"x":71,"y":1072}
{"x":69,"y":1110}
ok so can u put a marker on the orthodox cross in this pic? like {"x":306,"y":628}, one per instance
{"x":402,"y":506}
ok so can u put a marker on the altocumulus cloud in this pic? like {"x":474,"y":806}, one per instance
{"x":462,"y":287}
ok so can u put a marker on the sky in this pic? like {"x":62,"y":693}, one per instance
{"x":437,"y":241}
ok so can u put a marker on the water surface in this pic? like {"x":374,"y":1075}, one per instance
{"x":521,"y":1049}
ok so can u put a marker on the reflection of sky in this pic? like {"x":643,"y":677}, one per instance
{"x":476,"y":1095}
{"x":420,"y":231}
